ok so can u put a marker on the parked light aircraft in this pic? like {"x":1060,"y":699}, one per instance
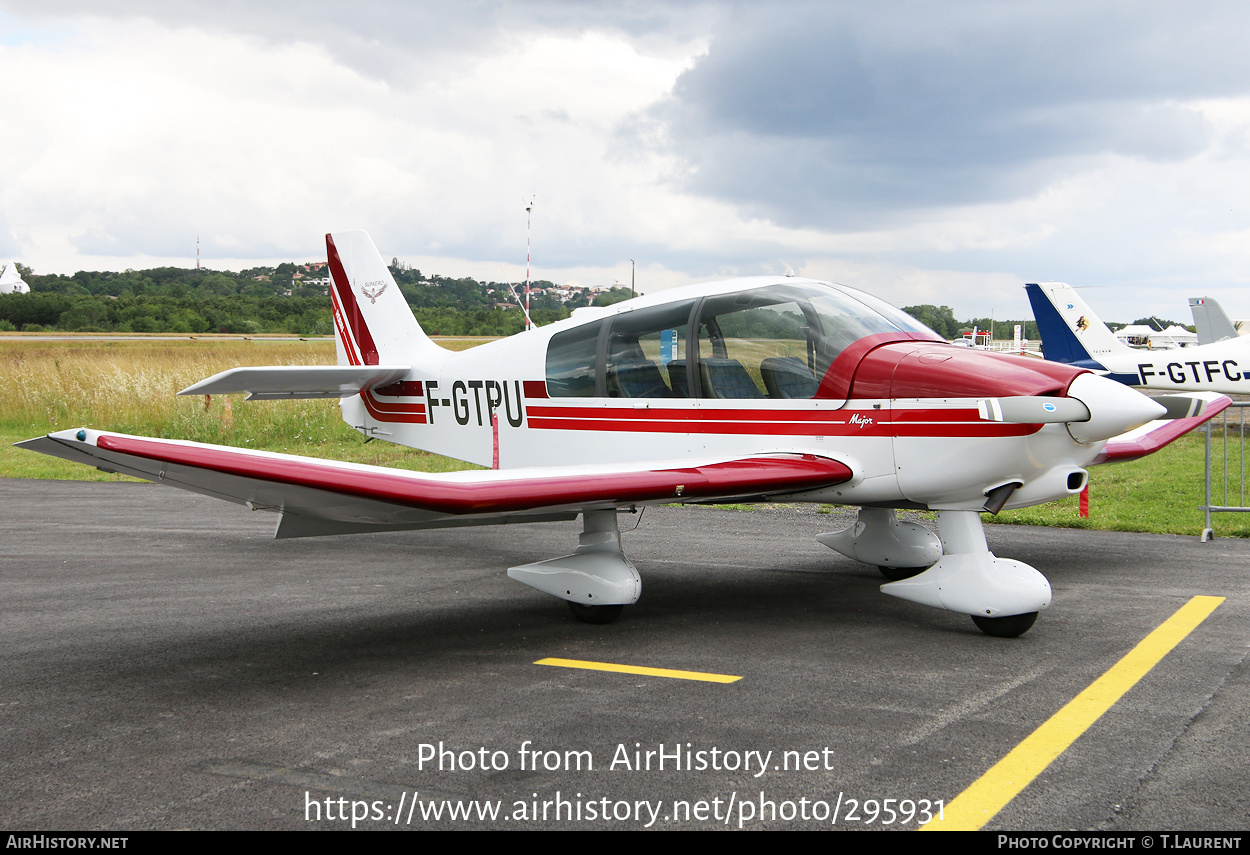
{"x":1211,"y":321}
{"x":1073,"y":334}
{"x":774,"y":388}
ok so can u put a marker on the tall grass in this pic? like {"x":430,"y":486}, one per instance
{"x":131,"y":387}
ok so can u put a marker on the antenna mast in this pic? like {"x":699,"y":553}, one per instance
{"x":529,"y":207}
{"x":197,"y":252}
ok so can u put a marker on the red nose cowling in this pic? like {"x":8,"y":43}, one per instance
{"x":885,"y":367}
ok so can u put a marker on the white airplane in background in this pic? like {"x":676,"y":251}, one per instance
{"x":776,"y":388}
{"x":1072,"y":334}
{"x":11,"y":281}
{"x":1211,"y":321}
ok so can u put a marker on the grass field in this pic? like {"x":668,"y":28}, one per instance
{"x":130,"y":386}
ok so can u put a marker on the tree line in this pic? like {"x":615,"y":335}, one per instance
{"x":290,"y":299}
{"x":284,"y":300}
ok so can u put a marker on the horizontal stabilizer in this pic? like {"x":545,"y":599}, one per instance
{"x":353,"y":497}
{"x":279,"y":382}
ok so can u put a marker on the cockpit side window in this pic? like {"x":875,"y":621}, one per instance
{"x":642,"y":355}
{"x":571,"y":365}
{"x":646,"y":353}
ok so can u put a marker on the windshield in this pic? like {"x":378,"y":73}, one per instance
{"x":772,"y":342}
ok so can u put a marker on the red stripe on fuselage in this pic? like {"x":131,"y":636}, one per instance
{"x":778,"y":428}
{"x":685,"y":414}
{"x":387,"y":411}
{"x":843,"y":422}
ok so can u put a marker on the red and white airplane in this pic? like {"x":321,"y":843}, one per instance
{"x":776,"y":388}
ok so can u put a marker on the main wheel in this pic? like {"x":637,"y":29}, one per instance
{"x":1011,"y":626}
{"x":595,"y":614}
{"x":894,"y":574}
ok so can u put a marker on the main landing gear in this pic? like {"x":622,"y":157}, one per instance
{"x":1002,"y":596}
{"x":597,"y":580}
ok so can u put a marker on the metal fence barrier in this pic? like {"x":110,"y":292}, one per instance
{"x":1234,"y":430}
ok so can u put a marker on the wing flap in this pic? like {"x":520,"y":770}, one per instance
{"x":377,"y":498}
{"x":299,"y":381}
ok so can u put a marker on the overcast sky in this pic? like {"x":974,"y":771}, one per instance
{"x":929,"y":152}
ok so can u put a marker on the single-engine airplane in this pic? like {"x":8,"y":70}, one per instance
{"x":775,"y":388}
{"x":1073,"y":334}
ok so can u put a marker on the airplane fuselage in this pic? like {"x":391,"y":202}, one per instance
{"x":898,"y":408}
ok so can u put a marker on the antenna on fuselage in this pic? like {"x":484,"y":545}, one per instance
{"x":525,"y":304}
{"x":529,"y":209}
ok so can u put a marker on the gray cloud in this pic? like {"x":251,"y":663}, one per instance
{"x":853,"y":115}
{"x":386,"y":39}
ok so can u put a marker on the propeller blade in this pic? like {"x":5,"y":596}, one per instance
{"x":1095,"y":408}
{"x":1181,"y":406}
{"x":1033,"y":410}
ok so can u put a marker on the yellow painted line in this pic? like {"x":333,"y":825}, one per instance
{"x":638,"y":669}
{"x":990,"y":793}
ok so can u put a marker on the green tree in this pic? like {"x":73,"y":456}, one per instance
{"x":85,"y":316}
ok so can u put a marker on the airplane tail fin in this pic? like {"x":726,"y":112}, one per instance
{"x":1071,"y":332}
{"x":373,"y":324}
{"x":1211,"y":320}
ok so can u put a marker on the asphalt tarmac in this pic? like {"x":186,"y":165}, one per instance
{"x":167,"y":665}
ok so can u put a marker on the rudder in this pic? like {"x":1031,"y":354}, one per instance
{"x":373,"y":324}
{"x":1071,"y":332}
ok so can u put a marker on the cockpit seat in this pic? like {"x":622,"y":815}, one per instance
{"x":677,"y":378}
{"x":726,"y":378}
{"x":637,"y":380}
{"x":788,"y":377}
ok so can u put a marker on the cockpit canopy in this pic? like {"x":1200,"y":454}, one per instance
{"x":775,"y":341}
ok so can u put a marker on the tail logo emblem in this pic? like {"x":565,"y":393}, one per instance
{"x":1082,"y":325}
{"x":373,"y":289}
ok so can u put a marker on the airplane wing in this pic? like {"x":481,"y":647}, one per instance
{"x":284,"y":382}
{"x":320,"y":497}
{"x":1150,"y":437}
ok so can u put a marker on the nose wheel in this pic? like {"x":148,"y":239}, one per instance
{"x":595,"y":614}
{"x":1002,"y":596}
{"x":895,"y":574}
{"x":1012,"y":626}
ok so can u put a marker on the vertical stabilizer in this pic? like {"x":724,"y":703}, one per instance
{"x":1211,"y":320}
{"x":372,"y":322}
{"x":1070,"y":330}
